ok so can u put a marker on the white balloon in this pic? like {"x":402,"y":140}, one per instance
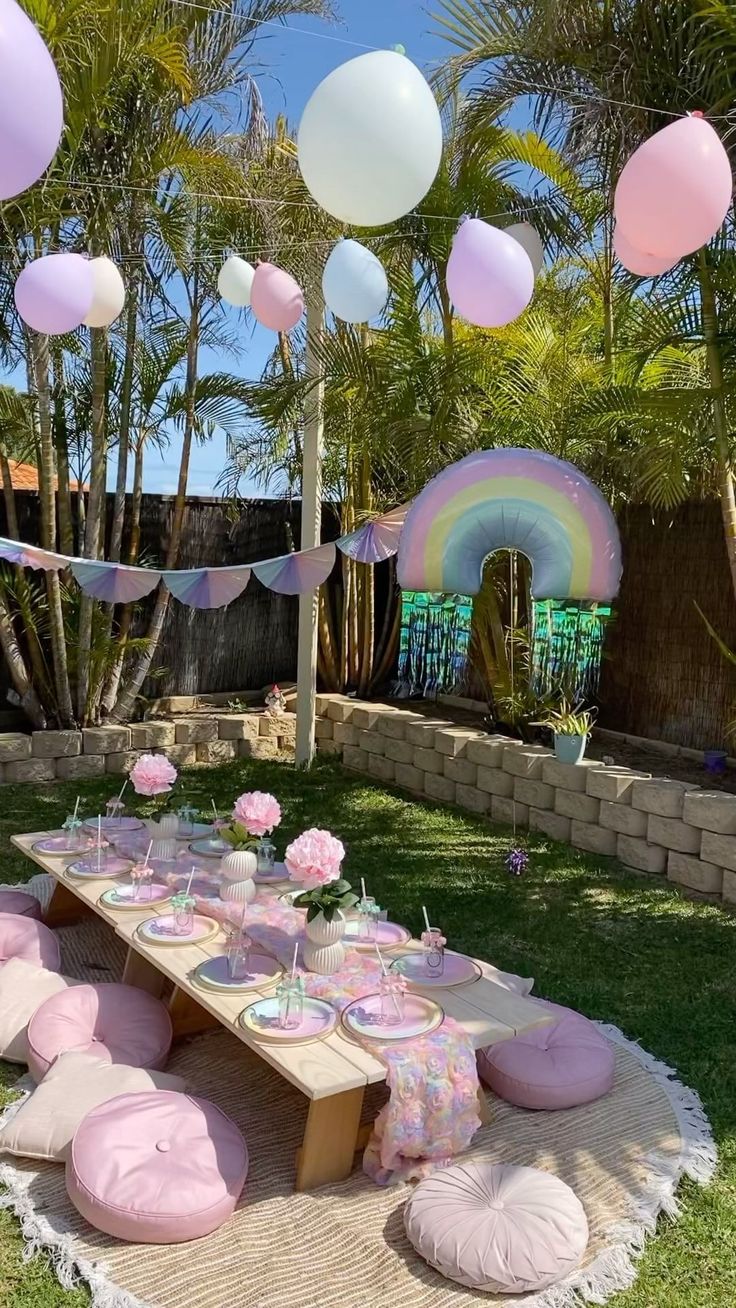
{"x":235,"y":281}
{"x":108,"y":295}
{"x":354,"y":283}
{"x":529,"y":239}
{"x":370,"y":139}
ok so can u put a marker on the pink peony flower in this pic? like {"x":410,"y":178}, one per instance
{"x":314,"y":858}
{"x":258,"y":812}
{"x":152,"y":774}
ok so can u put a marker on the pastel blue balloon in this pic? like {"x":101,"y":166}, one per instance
{"x":354,"y":283}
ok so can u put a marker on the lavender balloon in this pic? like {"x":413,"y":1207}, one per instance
{"x":54,"y":294}
{"x":490,"y":277}
{"x":31,"y":107}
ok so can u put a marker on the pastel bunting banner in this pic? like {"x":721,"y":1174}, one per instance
{"x":117,"y":583}
{"x":31,"y":556}
{"x":207,"y":588}
{"x":375,"y":541}
{"x":293,"y":574}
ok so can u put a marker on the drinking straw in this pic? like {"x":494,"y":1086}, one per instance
{"x":385,"y":973}
{"x":122,"y":790}
{"x":293,"y":961}
{"x":99,"y":844}
{"x":148,"y":854}
{"x":362,"y":886}
{"x":426,"y":918}
{"x":76,"y":809}
{"x":214,"y":810}
{"x":191,"y":878}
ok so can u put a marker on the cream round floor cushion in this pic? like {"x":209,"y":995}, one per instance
{"x":23,"y":937}
{"x":497,"y":1227}
{"x":121,"y":1022}
{"x":561,"y":1065}
{"x":157,"y":1168}
{"x":21,"y":903}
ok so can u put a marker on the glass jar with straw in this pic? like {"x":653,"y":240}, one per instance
{"x":290,"y":995}
{"x":237,"y":949}
{"x":434,"y":947}
{"x":392,"y":987}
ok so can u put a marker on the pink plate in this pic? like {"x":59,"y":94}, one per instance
{"x":262,"y":971}
{"x":160,"y":930}
{"x":262,"y":1020}
{"x":125,"y":896}
{"x":85,"y":869}
{"x":279,"y":874}
{"x":113,"y":826}
{"x":56,"y":846}
{"x":459,"y":970}
{"x":363,"y":1018}
{"x":389,"y":935}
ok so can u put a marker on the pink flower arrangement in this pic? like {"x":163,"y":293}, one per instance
{"x":314,"y":858}
{"x":258,"y":812}
{"x":152,"y":774}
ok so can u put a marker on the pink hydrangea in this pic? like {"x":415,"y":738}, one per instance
{"x":152,"y":774}
{"x":314,"y":858}
{"x":258,"y":812}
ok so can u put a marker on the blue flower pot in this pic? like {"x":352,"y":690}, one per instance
{"x":570,"y":749}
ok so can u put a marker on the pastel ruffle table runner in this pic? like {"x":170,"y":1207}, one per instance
{"x":432,"y":1111}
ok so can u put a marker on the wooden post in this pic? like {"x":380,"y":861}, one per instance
{"x":306,"y":674}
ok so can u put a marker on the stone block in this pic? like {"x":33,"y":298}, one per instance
{"x":394,"y":722}
{"x":423,"y":732}
{"x":238,"y":726}
{"x":488,"y":752}
{"x":694,"y":873}
{"x":355,"y":758}
{"x":623,"y":818}
{"x":509,"y":812}
{"x":595,"y":839}
{"x":33,"y":769}
{"x":474,"y":800}
{"x":365,"y":716}
{"x":428,"y":760}
{"x":14,"y":746}
{"x":322,"y":704}
{"x":568,"y":776}
{"x":56,"y":744}
{"x":454,"y":741}
{"x":661,"y":796}
{"x":85,"y":765}
{"x":460,"y":770}
{"x":344,"y":733}
{"x":262,"y":747}
{"x":640,"y":854}
{"x":140,"y":735}
{"x":525,"y":760}
{"x":196,"y":731}
{"x":553,"y":825}
{"x":439,"y":788}
{"x":340,"y":709}
{"x":399,"y":750}
{"x":713,"y":810}
{"x":159,"y":735}
{"x":216,"y":751}
{"x":408,"y":776}
{"x":326,"y":746}
{"x":673,"y":834}
{"x":184,"y":756}
{"x":613,"y":784}
{"x":729,"y":886}
{"x":105,"y":740}
{"x":120,"y":764}
{"x":718,"y":849}
{"x":324,"y":729}
{"x":270,"y":726}
{"x":384,"y":769}
{"x":371,"y":741}
{"x":496,"y":782}
{"x":581,"y":808}
{"x":537,"y":794}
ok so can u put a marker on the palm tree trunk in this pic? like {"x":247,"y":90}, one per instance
{"x":64,"y":497}
{"x":22,"y":684}
{"x":724,"y":466}
{"x":23,"y":591}
{"x":95,"y":528}
{"x":126,"y":405}
{"x":368,"y":590}
{"x":112,"y":688}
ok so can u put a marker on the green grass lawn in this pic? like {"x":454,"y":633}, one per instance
{"x":627,"y":949}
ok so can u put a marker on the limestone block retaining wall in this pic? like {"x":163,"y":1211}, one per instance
{"x":668,"y":828}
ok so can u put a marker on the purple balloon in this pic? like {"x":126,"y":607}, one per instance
{"x":31,"y":106}
{"x":490,"y":277}
{"x":54,"y":294}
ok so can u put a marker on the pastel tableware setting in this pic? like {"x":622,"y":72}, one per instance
{"x":457,"y":970}
{"x":389,"y":935}
{"x":210,"y":847}
{"x":98,"y":865}
{"x":365,"y":1017}
{"x":165,"y":930}
{"x":262,"y":970}
{"x":264,"y":1018}
{"x":132,"y":897}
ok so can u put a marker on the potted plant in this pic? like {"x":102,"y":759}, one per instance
{"x":570,"y":728}
{"x":314,"y":860}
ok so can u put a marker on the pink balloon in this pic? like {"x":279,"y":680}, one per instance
{"x":275,"y":298}
{"x":490,"y":277}
{"x":31,"y":107}
{"x":637,"y":262}
{"x":675,"y":190}
{"x":54,"y":294}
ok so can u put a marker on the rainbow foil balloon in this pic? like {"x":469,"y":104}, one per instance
{"x":512,"y":499}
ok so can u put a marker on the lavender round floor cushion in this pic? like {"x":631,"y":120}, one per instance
{"x":23,"y":937}
{"x":20,"y":903}
{"x":156,"y":1168}
{"x":497,"y":1227}
{"x":561,"y":1065}
{"x":120,"y":1021}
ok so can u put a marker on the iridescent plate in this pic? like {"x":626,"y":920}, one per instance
{"x":124,"y":897}
{"x":363,"y":1018}
{"x":261,"y":1019}
{"x":389,"y":935}
{"x":113,"y":825}
{"x":211,"y":848}
{"x":262,"y":971}
{"x":279,"y":873}
{"x":86,"y":869}
{"x":56,"y":847}
{"x":161,"y":930}
{"x":459,"y":970}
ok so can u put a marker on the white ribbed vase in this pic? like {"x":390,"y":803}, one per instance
{"x":164,"y":849}
{"x":237,"y":871}
{"x":324,"y":951}
{"x":167,"y":827}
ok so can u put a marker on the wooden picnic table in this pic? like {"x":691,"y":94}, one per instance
{"x":331,"y":1072}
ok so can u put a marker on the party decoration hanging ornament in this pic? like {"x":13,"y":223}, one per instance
{"x":636,"y":262}
{"x":529,"y":240}
{"x":275,"y":298}
{"x":235,"y":281}
{"x":675,"y":190}
{"x":108,"y":293}
{"x":354,"y":284}
{"x":370,"y":139}
{"x":490,"y":278}
{"x":54,"y":293}
{"x":31,"y":106}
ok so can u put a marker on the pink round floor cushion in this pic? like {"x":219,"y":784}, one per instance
{"x":558,"y":1066}
{"x":20,"y":903}
{"x":127,"y":1024}
{"x":156,"y":1168}
{"x":23,"y":937}
{"x":497,"y":1227}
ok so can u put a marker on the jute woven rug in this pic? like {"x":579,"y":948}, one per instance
{"x":344,"y":1246}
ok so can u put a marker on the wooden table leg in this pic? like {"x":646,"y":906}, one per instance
{"x":65,"y":907}
{"x":330,"y":1139}
{"x":484,"y":1111}
{"x":138,"y":971}
{"x":187,"y":1016}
